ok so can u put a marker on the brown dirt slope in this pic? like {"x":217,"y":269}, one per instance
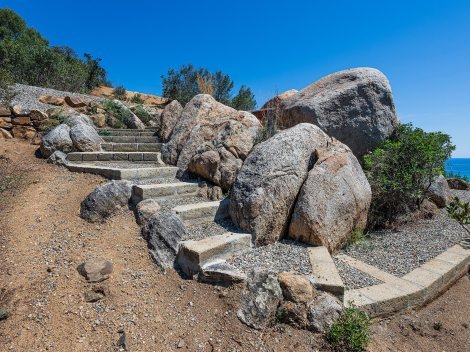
{"x":43,"y":240}
{"x":149,"y":99}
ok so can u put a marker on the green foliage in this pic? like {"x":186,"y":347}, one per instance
{"x":142,"y":114}
{"x":401,"y":169}
{"x":120,"y":93}
{"x":104,"y":133}
{"x":244,"y":100}
{"x":350,"y":333}
{"x":59,"y":116}
{"x":137,"y":99}
{"x":459,"y":211}
{"x":29,"y":59}
{"x":115,"y":110}
{"x":7,"y":92}
{"x":185,"y":83}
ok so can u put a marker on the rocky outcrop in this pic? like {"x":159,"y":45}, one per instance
{"x":458,"y":183}
{"x":260,"y":299}
{"x":75,"y":118}
{"x":57,"y":139}
{"x":264,"y":193}
{"x":207,"y":125}
{"x":132,"y":121}
{"x":355,"y":106}
{"x":439,"y":192}
{"x":58,"y":158}
{"x":169,"y":118}
{"x":333,"y":201}
{"x":277,"y":101}
{"x":322,"y":312}
{"x":106,"y":200}
{"x":163,"y":233}
{"x":85,"y":138}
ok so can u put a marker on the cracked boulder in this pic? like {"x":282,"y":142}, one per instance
{"x":56,"y":139}
{"x":265,"y":190}
{"x":168,"y":119}
{"x":85,"y":138}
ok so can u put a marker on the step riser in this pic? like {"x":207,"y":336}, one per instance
{"x":165,"y":191}
{"x":125,"y":174}
{"x":203,"y":212}
{"x":131,"y":147}
{"x":118,"y":156}
{"x":130,"y":139}
{"x":193,"y":255}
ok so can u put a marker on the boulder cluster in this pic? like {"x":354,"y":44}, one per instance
{"x":17,"y":122}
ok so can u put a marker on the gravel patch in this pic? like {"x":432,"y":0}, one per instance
{"x":286,"y":255}
{"x":354,"y":278}
{"x":401,"y":251}
{"x":201,"y":231}
{"x":28,"y":96}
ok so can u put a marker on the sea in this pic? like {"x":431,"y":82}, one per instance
{"x":458,"y":166}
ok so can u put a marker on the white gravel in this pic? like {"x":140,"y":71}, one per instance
{"x":286,"y":255}
{"x":401,"y":251}
{"x":28,"y":96}
{"x":354,"y":278}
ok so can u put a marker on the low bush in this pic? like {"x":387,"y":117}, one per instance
{"x":460,"y":212}
{"x":137,"y":99}
{"x":142,"y":114}
{"x":401,"y":169}
{"x":115,"y":110}
{"x":120,"y":93}
{"x":350,"y":333}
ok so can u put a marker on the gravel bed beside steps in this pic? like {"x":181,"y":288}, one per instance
{"x":354,"y":278}
{"x":401,"y":251}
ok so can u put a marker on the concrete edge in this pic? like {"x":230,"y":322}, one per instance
{"x":416,"y":288}
{"x":325,"y":276}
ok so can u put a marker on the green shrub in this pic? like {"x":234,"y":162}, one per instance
{"x":104,"y":133}
{"x":350,"y":333}
{"x":137,"y":99}
{"x":460,"y":211}
{"x":7,"y":92}
{"x":120,"y":93}
{"x":59,"y":116}
{"x":401,"y":169}
{"x":115,"y":110}
{"x":142,"y":114}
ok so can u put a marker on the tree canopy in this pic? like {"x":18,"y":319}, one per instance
{"x":186,"y":82}
{"x":27,"y":57}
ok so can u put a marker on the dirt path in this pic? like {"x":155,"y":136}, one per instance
{"x":43,"y":240}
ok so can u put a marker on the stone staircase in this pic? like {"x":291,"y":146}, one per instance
{"x":135,"y":155}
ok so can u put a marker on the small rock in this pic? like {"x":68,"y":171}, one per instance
{"x":146,"y":209}
{"x":96,"y":269}
{"x":19,"y":111}
{"x":94,"y":295}
{"x":295,"y":287}
{"x":51,"y":100}
{"x":181,"y":343}
{"x":458,"y":183}
{"x":3,"y":314}
{"x":221,"y":274}
{"x":75,"y":102}
{"x":322,"y":312}
{"x":58,"y":158}
{"x":122,"y":342}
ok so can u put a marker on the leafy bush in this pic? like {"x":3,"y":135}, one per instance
{"x":401,"y":169}
{"x":120,"y":93}
{"x":7,"y":92}
{"x":59,"y":116}
{"x":185,"y":83}
{"x":115,"y":110}
{"x":137,"y":99}
{"x":29,"y":59}
{"x":142,"y":114}
{"x":460,"y":211}
{"x":350,"y":333}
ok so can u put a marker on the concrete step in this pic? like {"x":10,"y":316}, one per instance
{"x":197,"y":213}
{"x":131,"y":147}
{"x":124,"y":132}
{"x":116,"y":173}
{"x":130,"y":139}
{"x":165,"y":190}
{"x":153,"y":157}
{"x":193,"y":255}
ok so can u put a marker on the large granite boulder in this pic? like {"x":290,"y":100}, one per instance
{"x":163,"y":233}
{"x":333,"y":201}
{"x":85,"y":138}
{"x":57,"y":139}
{"x":355,"y":106}
{"x":260,"y":299}
{"x":106,"y":200}
{"x":458,"y":183}
{"x":169,"y":118}
{"x":439,"y":192}
{"x":77,"y":119}
{"x":264,"y":193}
{"x":206,"y":123}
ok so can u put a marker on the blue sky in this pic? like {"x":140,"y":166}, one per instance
{"x":422,"y":46}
